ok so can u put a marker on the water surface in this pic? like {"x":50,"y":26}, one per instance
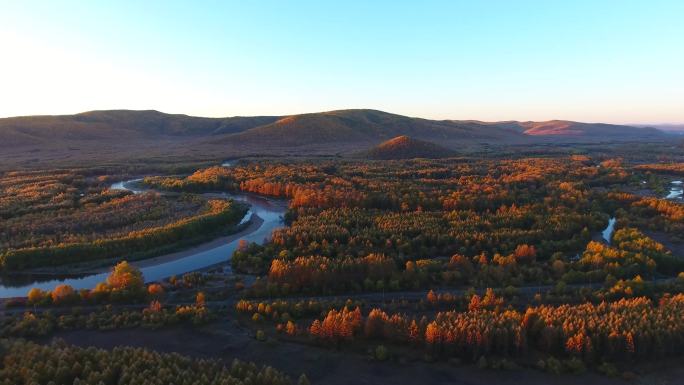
{"x":676,"y":190}
{"x":607,"y":233}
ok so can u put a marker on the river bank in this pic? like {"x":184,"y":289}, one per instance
{"x":254,"y":223}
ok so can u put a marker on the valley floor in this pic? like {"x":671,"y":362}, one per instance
{"x":324,"y":366}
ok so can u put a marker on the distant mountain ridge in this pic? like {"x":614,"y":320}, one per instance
{"x":669,"y":128}
{"x":140,"y":133}
{"x":117,"y":125}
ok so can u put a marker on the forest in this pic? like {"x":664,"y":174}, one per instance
{"x":397,"y":226}
{"x":502,"y":263}
{"x":59,"y":363}
{"x":52,"y":218}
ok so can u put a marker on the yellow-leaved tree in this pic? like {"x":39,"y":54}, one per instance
{"x":126,"y":277}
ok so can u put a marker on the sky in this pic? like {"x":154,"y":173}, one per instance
{"x":600,"y":60}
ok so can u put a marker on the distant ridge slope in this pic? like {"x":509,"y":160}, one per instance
{"x":577,"y":129}
{"x":118,"y":125}
{"x":404,"y":147}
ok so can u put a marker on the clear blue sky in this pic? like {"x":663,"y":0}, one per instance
{"x":612,"y":61}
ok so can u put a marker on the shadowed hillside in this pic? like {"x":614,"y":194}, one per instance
{"x":404,"y":147}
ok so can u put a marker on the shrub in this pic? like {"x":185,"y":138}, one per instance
{"x":381,"y":353}
{"x":260,"y":335}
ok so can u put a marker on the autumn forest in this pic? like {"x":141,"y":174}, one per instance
{"x":549,"y":264}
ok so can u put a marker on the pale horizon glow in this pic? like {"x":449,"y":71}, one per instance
{"x":594,"y":61}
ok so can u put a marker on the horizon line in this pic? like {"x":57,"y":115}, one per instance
{"x":347,"y":109}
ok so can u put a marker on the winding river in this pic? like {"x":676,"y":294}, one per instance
{"x":269,"y":210}
{"x":676,"y":193}
{"x":607,"y":233}
{"x":676,"y":190}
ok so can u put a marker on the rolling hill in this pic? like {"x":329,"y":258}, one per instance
{"x":367,"y":126}
{"x":404,"y":147}
{"x":118,"y":125}
{"x":587,"y":130}
{"x":124,"y":134}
